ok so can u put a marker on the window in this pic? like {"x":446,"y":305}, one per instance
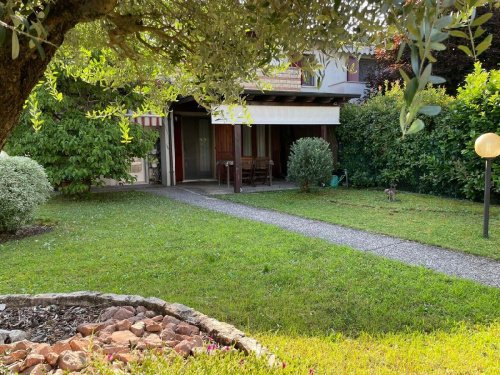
{"x":366,"y":68}
{"x":308,"y":77}
{"x":261,"y":140}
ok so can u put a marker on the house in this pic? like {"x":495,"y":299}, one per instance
{"x":198,"y":145}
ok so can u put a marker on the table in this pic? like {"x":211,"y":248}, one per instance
{"x":227,"y":164}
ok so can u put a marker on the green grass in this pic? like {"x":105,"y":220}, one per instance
{"x":302,"y":297}
{"x":450,"y":223}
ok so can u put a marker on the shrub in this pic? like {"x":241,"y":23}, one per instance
{"x":310,"y":163}
{"x":438,"y":160}
{"x":23,"y":187}
{"x":76,"y":151}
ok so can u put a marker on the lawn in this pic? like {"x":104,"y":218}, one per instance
{"x":451,"y":223}
{"x":318,"y":306}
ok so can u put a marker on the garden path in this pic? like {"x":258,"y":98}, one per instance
{"x":482,"y":270}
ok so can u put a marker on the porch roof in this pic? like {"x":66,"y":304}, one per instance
{"x":297,"y":97}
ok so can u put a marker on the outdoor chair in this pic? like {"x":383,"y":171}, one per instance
{"x":247,"y":169}
{"x":262,"y":170}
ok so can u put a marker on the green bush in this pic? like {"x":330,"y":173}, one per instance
{"x":310,"y":163}
{"x":438,"y":160}
{"x":23,"y":187}
{"x":76,"y":151}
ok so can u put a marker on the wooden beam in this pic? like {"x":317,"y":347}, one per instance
{"x":324,"y":132}
{"x":237,"y":158}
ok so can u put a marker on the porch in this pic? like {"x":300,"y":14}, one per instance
{"x":198,"y":147}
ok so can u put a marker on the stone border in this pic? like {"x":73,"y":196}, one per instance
{"x":221,"y":332}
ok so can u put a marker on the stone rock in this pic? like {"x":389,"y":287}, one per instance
{"x":79,"y":345}
{"x":140,"y":309}
{"x":22,"y":345}
{"x":125,"y":357}
{"x":150,"y":314}
{"x":88,"y":329}
{"x":2,"y":306}
{"x":123,"y":313}
{"x":18,"y":335}
{"x":42,"y":349}
{"x":124,"y":338}
{"x":152,"y":326}
{"x":138,"y":328}
{"x":123,"y":325}
{"x":129,"y":308}
{"x":40,"y":369}
{"x":4,"y":336}
{"x":32,"y":360}
{"x":167,"y":334}
{"x":4,"y":348}
{"x":184,"y":348}
{"x":14,"y":367}
{"x":153,"y":341}
{"x":170,"y":319}
{"x":16,"y":355}
{"x":197,"y":341}
{"x":61,"y":346}
{"x":181,"y":337}
{"x":187,"y":329}
{"x":58,"y":372}
{"x":109,"y":312}
{"x":110,"y":328}
{"x":72,"y":361}
{"x":157,"y":318}
{"x":52,"y":358}
{"x":113,"y":349}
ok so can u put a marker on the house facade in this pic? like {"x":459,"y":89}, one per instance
{"x":197,"y":145}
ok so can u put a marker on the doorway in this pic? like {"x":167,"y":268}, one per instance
{"x":197,"y":148}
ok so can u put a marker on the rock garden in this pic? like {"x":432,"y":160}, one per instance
{"x":60,"y":333}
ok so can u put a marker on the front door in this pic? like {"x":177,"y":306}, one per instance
{"x":197,"y":147}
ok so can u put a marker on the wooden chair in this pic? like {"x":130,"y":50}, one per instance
{"x":247,"y":169}
{"x":263,"y":170}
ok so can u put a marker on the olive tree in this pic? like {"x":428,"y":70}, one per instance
{"x":206,"y":48}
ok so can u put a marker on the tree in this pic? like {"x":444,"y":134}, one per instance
{"x":76,"y":151}
{"x":204,"y":48}
{"x":388,"y":65}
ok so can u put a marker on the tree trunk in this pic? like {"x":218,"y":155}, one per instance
{"x":19,"y":76}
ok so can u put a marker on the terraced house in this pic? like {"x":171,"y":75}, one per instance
{"x":197,"y":145}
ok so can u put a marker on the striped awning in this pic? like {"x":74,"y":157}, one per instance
{"x":148,"y":119}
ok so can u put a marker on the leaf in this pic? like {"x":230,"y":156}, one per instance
{"x":404,"y":75}
{"x":459,"y":34}
{"x":402,"y":118}
{"x":410,"y":91}
{"x":438,"y":46}
{"x":479,"y":31}
{"x":482,"y":19}
{"x":430,"y":110}
{"x":414,"y":59}
{"x":424,"y":78}
{"x":443,"y":22}
{"x":466,"y":49}
{"x":416,"y":126}
{"x":15,"y":46}
{"x":484,"y":45}
{"x":400,"y":51}
{"x":436,"y":80}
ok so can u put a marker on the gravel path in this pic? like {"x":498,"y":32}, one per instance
{"x":482,"y":270}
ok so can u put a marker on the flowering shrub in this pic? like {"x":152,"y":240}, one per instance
{"x":310,"y":163}
{"x":23,"y":187}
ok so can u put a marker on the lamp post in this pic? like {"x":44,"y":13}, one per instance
{"x":487,"y":146}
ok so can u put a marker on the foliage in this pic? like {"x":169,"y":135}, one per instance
{"x":310,"y":163}
{"x":450,"y":223}
{"x":439,"y":160}
{"x":207,"y":50}
{"x":387,"y":63}
{"x":76,"y":151}
{"x":316,"y":305}
{"x":23,"y":187}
